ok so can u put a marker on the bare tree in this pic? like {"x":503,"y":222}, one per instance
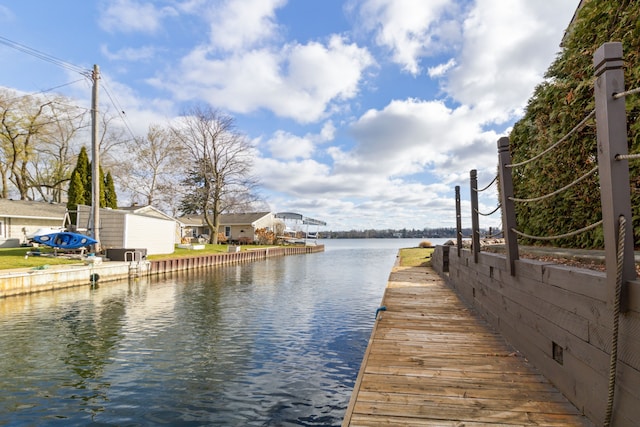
{"x":220,"y":160}
{"x":22,"y":121}
{"x":113,"y":135}
{"x":37,"y":139}
{"x":55,"y":157}
{"x":155,"y":167}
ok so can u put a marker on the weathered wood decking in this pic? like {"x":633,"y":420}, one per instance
{"x":433,"y":362}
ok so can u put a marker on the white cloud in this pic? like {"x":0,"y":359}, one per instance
{"x":505,"y":53}
{"x":128,"y":16}
{"x":298,"y":81}
{"x":411,"y":134}
{"x":411,"y":29}
{"x":441,"y":69}
{"x":240,"y":25}
{"x":284,"y":145}
{"x":129,"y":53}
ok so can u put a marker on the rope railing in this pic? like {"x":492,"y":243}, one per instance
{"x":613,"y":357}
{"x":465,"y":236}
{"x":558,"y":236}
{"x":490,"y":213}
{"x":611,"y":180}
{"x":558,"y":191}
{"x":626,"y":93}
{"x":577,"y":128}
{"x":493,"y":236}
{"x":495,"y":178}
{"x":633,"y":156}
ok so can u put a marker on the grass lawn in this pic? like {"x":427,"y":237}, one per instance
{"x":415,"y":257}
{"x":208,"y":250}
{"x":15,"y":257}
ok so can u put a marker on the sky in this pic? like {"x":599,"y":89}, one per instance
{"x":363,"y":113}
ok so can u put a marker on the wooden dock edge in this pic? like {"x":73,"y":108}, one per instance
{"x":363,"y":365}
{"x":471,"y":395}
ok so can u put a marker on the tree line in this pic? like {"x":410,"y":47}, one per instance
{"x":425,"y":233}
{"x":199,"y":163}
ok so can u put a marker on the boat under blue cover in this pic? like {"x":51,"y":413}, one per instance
{"x":65,"y":240}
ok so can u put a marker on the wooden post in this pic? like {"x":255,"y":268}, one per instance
{"x":614,"y":174}
{"x":508,"y":208}
{"x":475,"y":220}
{"x":95,"y":162}
{"x":458,"y":221}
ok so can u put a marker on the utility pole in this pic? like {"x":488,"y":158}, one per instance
{"x":95,"y":161}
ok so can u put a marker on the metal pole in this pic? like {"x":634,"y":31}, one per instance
{"x":95,"y":161}
{"x":614,"y":174}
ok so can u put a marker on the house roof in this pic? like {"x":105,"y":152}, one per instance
{"x":147,"y":210}
{"x":225,"y":219}
{"x":30,"y":209}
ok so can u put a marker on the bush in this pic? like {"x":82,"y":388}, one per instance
{"x":425,"y":244}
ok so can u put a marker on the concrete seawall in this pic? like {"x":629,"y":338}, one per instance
{"x":25,"y":281}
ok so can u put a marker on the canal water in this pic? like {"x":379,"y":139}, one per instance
{"x":271,"y":343}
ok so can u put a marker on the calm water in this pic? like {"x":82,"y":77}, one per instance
{"x":271,"y":343}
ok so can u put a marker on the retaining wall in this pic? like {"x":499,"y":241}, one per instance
{"x":187,"y":263}
{"x":558,"y":318}
{"x":64,"y":276}
{"x":58,"y":277}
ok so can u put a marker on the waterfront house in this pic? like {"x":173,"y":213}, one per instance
{"x":19,"y":218}
{"x":236,"y":227}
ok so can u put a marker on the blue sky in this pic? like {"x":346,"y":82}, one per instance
{"x":363,"y":113}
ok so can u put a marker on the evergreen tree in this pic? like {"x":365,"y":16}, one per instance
{"x":80,"y":192}
{"x":564,"y":99}
{"x":83,"y":167}
{"x":111,"y":198}
{"x":77,"y":194}
{"x":101,"y":180}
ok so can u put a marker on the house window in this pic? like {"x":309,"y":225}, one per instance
{"x":227,"y":231}
{"x":1,"y":228}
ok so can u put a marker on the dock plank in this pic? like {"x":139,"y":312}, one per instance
{"x":433,"y":361}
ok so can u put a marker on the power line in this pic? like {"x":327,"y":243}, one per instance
{"x":119,"y":109}
{"x":44,"y":90}
{"x":45,"y":57}
{"x":67,"y":65}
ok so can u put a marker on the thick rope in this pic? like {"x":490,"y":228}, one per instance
{"x":613,"y":362}
{"x":490,"y":213}
{"x":627,"y":156}
{"x":488,"y":185}
{"x":559,"y":236}
{"x":623,"y":94}
{"x":566,"y":187}
{"x":492,"y":236}
{"x":578,"y":127}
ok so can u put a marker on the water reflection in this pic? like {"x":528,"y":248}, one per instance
{"x":277,"y":342}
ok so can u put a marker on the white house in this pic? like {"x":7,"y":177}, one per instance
{"x":236,"y":227}
{"x":19,"y":218}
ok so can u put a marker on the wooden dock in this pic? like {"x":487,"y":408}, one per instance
{"x":431,"y":361}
